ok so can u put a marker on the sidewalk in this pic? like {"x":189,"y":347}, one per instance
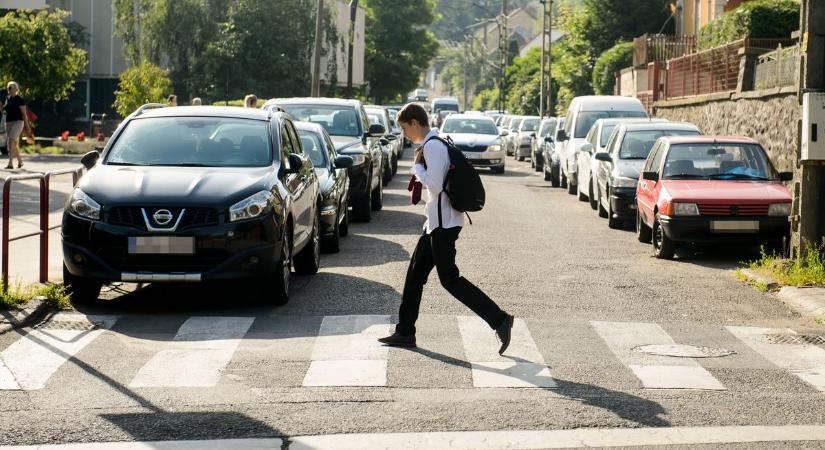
{"x":808,"y":301}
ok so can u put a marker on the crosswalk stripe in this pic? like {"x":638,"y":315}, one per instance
{"x":197,"y":355}
{"x":29,"y":362}
{"x":521,"y":366}
{"x":347,"y":353}
{"x":806,"y":361}
{"x":655,"y":372}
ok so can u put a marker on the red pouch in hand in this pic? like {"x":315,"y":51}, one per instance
{"x":415,"y":190}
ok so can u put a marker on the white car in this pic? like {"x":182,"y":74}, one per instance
{"x":478,"y":138}
{"x":512,"y":129}
{"x":523,"y":141}
{"x":581,"y":115}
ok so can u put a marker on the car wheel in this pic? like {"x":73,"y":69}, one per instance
{"x":582,"y":197}
{"x":4,"y":150}
{"x":308,"y":260}
{"x":395,"y":164}
{"x":571,"y":188}
{"x":663,"y":247}
{"x":81,"y":289}
{"x":554,"y":177}
{"x":594,"y":203}
{"x":538,"y":165}
{"x":378,"y":198}
{"x":533,"y":162}
{"x":643,"y":232}
{"x":548,"y":176}
{"x":332,"y":243}
{"x":278,"y":283}
{"x":344,"y":227}
{"x":498,"y":170}
{"x":611,"y":221}
{"x":562,"y":179}
{"x":362,"y":208}
{"x":386,"y":174}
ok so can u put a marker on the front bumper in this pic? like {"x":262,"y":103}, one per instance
{"x":98,"y":250}
{"x":623,"y":203}
{"x":329,"y":215}
{"x":485,"y":159}
{"x":698,"y":229}
{"x":525,"y":150}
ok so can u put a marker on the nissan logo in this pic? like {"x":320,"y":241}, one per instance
{"x":162,"y":217}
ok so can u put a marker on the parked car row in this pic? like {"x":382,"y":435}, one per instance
{"x":196,"y":194}
{"x":676,"y":185}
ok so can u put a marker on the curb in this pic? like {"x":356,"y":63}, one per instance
{"x":36,"y":309}
{"x":808,"y":301}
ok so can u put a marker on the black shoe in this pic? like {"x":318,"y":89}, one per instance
{"x":504,"y":332}
{"x":397,"y":340}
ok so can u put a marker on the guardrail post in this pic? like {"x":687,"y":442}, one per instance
{"x":44,"y":229}
{"x":5,"y":238}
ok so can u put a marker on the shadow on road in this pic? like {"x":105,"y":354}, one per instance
{"x":725,"y":257}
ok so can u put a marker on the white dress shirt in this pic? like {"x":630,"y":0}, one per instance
{"x":432,"y":177}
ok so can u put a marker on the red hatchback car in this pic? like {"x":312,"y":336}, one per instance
{"x":710,"y":189}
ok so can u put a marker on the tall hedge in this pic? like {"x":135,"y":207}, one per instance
{"x":754,"y":19}
{"x":611,"y":61}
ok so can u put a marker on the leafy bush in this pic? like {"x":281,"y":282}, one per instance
{"x":486,"y":100}
{"x":808,"y":270}
{"x":754,"y":19}
{"x":144,"y":83}
{"x":611,"y":61}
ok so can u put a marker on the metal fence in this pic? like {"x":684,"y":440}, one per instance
{"x":650,"y":48}
{"x":777,"y":68}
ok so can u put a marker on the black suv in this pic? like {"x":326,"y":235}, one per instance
{"x":349,"y":127}
{"x":194,"y":194}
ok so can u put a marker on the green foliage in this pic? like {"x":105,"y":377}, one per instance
{"x":754,"y":19}
{"x":808,"y":270}
{"x":486,"y":100}
{"x":36,"y":50}
{"x":399,"y":45}
{"x":16,"y":296}
{"x":144,"y":83}
{"x":55,"y":296}
{"x":454,"y":16}
{"x":610,"y":62}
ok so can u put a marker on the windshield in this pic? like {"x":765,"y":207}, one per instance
{"x":479,"y":126}
{"x":514,"y":124}
{"x":588,"y":118}
{"x":313,"y":145}
{"x":445,"y":107}
{"x":337,"y":120}
{"x":547,"y":128}
{"x":637,"y":144}
{"x":192,"y":141}
{"x":607,"y":130}
{"x":377,"y":116}
{"x":530,"y":125}
{"x":718,"y":161}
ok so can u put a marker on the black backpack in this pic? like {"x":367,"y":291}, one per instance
{"x":466,"y":192}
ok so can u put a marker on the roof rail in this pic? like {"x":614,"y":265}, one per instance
{"x":140,"y":110}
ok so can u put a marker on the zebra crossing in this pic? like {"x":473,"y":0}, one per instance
{"x":342,"y":351}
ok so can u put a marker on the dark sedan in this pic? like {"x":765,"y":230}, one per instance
{"x":194,"y":194}
{"x":331,"y":170}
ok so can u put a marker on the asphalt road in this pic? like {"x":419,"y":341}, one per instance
{"x":172,"y":362}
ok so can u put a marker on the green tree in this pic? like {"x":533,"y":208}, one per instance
{"x":37,"y":51}
{"x":611,"y":61}
{"x":143,"y":83}
{"x":399,"y":45}
{"x":755,"y":19}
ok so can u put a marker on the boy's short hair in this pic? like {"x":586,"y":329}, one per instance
{"x":414,"y":111}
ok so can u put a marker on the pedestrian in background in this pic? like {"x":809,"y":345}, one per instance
{"x":17,"y":120}
{"x":436,"y":247}
{"x":172,"y":100}
{"x":197,"y":101}
{"x":250,"y":101}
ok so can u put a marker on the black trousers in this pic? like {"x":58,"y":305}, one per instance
{"x":437,"y":249}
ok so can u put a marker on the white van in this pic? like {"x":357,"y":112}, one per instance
{"x":581,"y":115}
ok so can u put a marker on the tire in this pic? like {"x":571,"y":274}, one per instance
{"x":562,"y":179}
{"x":643,"y":232}
{"x":498,"y":170}
{"x":554,"y":178}
{"x":602,"y":211}
{"x":594,"y":203}
{"x":571,"y":188}
{"x":386,"y":174}
{"x":308,"y":260}
{"x":276,"y":287}
{"x":362,"y":207}
{"x":663,"y":247}
{"x":537,"y":165}
{"x":377,"y":198}
{"x":332,"y":243}
{"x":394,"y":164}
{"x":582,"y":197}
{"x":4,"y":150}
{"x":81,"y":290}
{"x":343,"y":230}
{"x":612,"y":222}
{"x":548,"y":176}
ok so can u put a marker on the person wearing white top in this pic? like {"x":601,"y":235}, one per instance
{"x":436,"y":246}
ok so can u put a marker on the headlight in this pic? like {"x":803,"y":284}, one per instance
{"x":82,"y":205}
{"x":251,"y":207}
{"x":357,"y":158}
{"x":779,"y":209}
{"x":494,"y":148}
{"x":685,"y":209}
{"x":624,"y":182}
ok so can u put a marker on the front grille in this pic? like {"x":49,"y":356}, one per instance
{"x":471,"y":148}
{"x":203,"y":260}
{"x":132,"y":216}
{"x":733,"y":210}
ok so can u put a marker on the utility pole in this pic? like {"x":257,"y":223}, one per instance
{"x":807,"y":217}
{"x":550,"y":61}
{"x":466,"y":62}
{"x":316,"y":69}
{"x":503,"y":50}
{"x":353,"y":14}
{"x":543,"y":46}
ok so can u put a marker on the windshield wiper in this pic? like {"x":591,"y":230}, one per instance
{"x":694,"y":176}
{"x":119,"y":163}
{"x":738,"y":176}
{"x":181,"y":165}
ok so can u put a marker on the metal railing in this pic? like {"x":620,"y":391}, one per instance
{"x":777,"y":68}
{"x":44,"y":180}
{"x":660,"y":47}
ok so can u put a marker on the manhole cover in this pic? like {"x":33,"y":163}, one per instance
{"x":74,"y":325}
{"x":683,"y":351}
{"x":795,"y":339}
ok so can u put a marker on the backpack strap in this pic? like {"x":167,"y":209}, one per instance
{"x":444,"y":186}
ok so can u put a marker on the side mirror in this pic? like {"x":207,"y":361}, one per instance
{"x":561,"y":136}
{"x":650,"y":176}
{"x":785,"y":176}
{"x":548,"y":139}
{"x":343,"y":162}
{"x":295,"y":163}
{"x":391,"y":137}
{"x":588,"y":147}
{"x":603,"y":156}
{"x":504,"y":132}
{"x":90,"y":159}
{"x":384,"y":141}
{"x":376,"y":130}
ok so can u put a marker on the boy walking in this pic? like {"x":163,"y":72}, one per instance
{"x":436,"y":247}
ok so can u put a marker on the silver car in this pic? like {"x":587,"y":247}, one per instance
{"x":512,"y":129}
{"x":523,"y":142}
{"x":478,"y":138}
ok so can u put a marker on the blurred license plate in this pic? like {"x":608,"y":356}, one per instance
{"x":471,"y":155}
{"x":161,"y":245}
{"x":734,"y":226}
